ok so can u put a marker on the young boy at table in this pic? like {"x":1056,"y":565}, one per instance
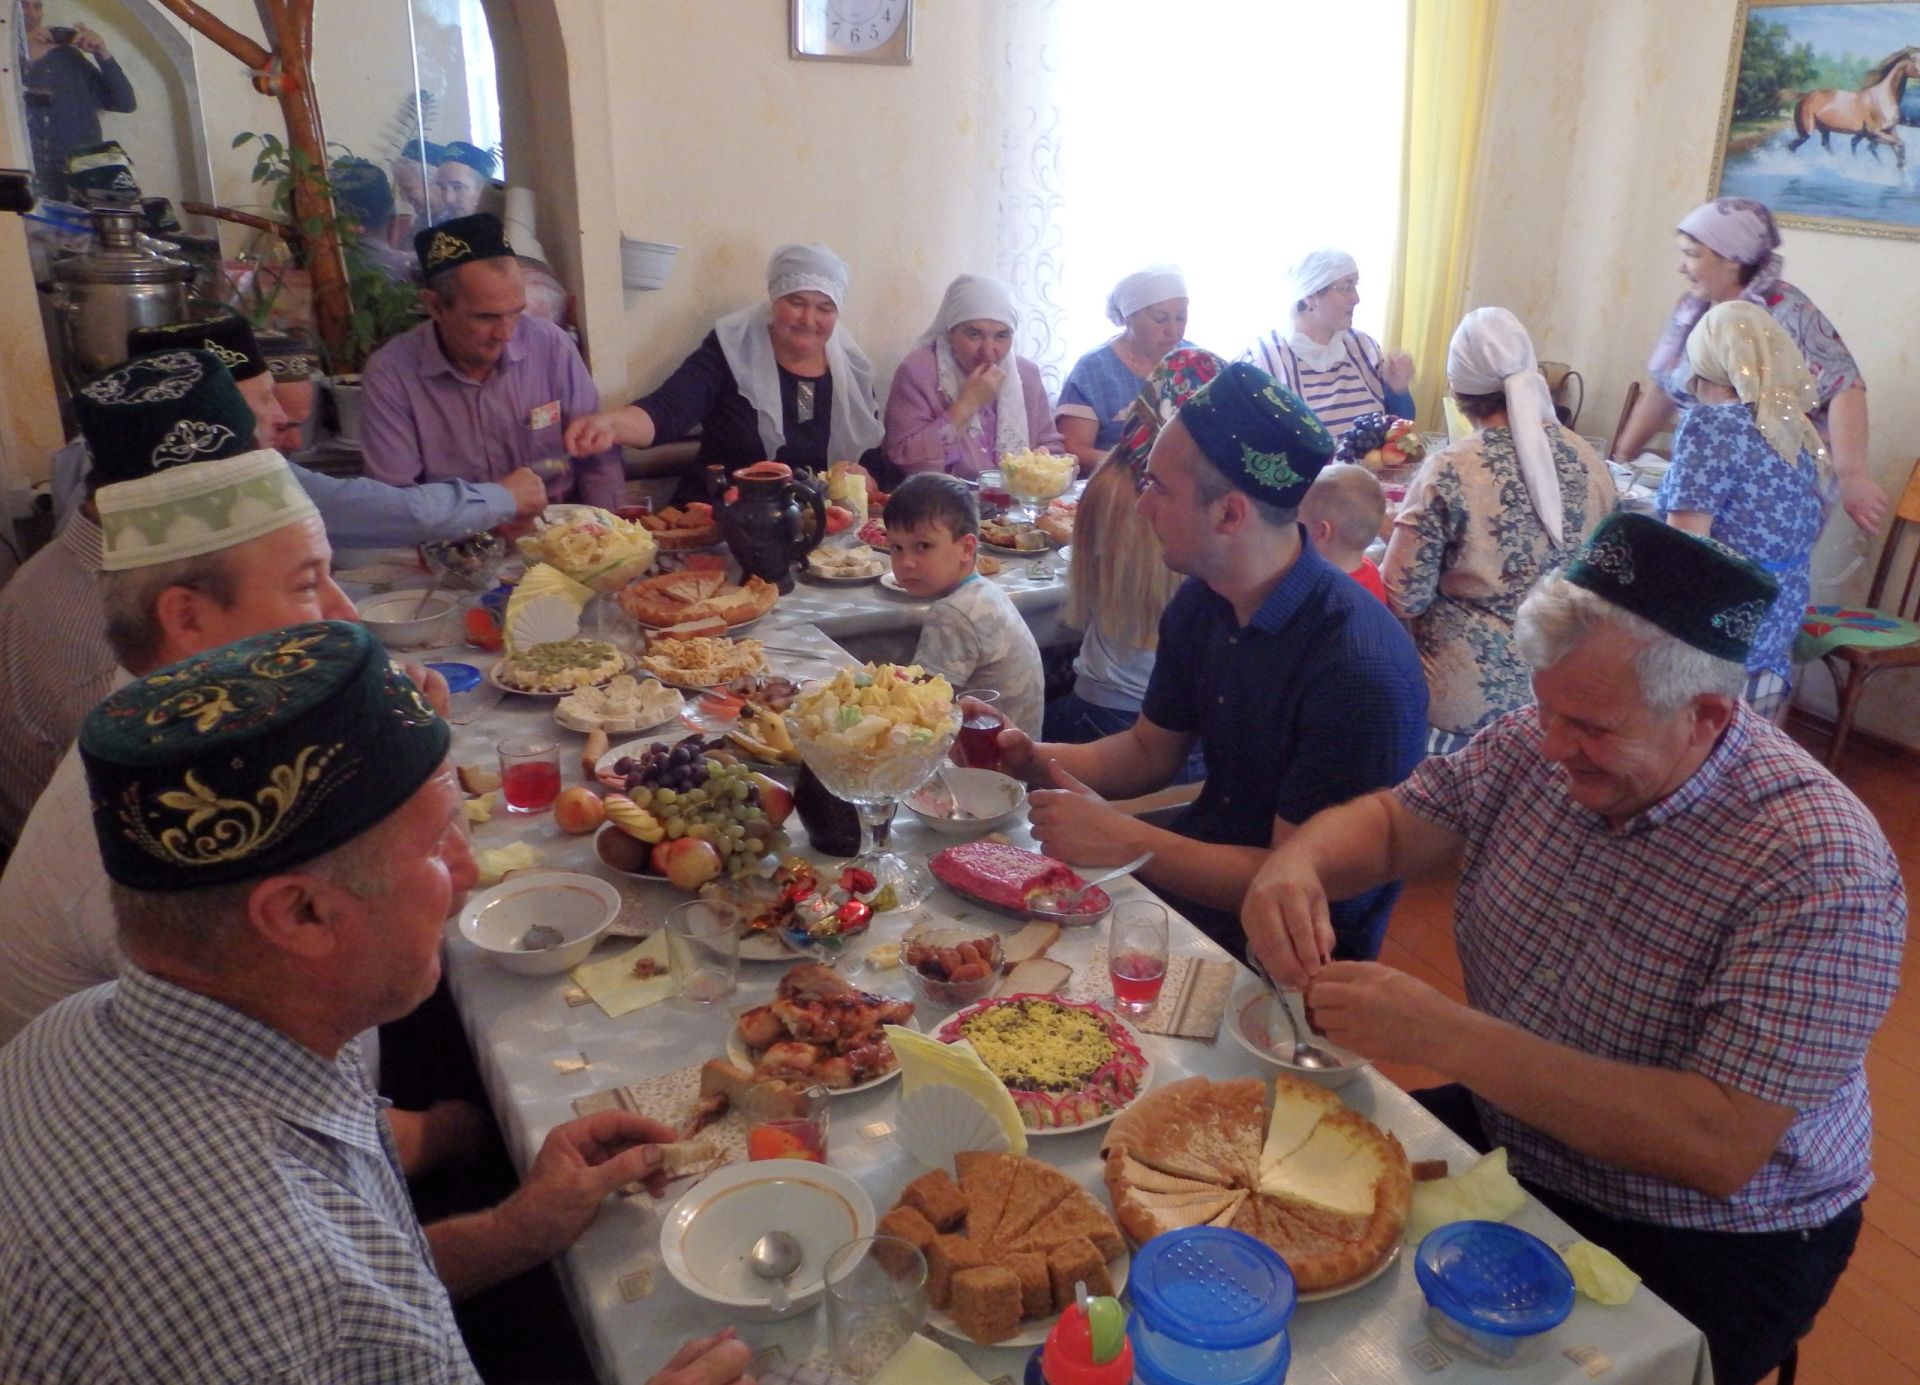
{"x":973,"y":634}
{"x":1342,"y":512}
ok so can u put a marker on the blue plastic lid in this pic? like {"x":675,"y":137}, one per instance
{"x":496,"y":600}
{"x":1494,"y":1278}
{"x":1212,"y":1287}
{"x":460,"y":677}
{"x":1150,"y":1369}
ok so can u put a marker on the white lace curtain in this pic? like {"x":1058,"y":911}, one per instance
{"x":1226,"y":138}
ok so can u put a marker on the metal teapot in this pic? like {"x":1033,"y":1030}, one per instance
{"x":110,"y":290}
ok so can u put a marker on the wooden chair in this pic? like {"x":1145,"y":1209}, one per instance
{"x":1852,"y":665}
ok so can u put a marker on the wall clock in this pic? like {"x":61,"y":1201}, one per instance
{"x":868,"y":31}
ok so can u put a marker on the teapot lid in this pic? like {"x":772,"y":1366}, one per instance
{"x":120,"y":258}
{"x":764,"y":471}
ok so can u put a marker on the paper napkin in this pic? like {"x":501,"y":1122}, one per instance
{"x":923,"y":1361}
{"x":1483,"y":1192}
{"x":1600,"y":1274}
{"x":616,"y":989}
{"x":926,"y":1062}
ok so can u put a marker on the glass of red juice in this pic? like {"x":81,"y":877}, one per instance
{"x":978,"y":744}
{"x":787,"y":1127}
{"x":1137,"y":954}
{"x":529,"y":773}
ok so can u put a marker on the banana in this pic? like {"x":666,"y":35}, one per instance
{"x":634,"y":820}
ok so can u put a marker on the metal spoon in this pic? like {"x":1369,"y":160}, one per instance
{"x":775,"y":1256}
{"x":954,"y":812}
{"x":1066,"y":901}
{"x":1305,"y":1055}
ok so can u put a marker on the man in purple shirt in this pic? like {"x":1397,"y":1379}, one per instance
{"x":480,"y":389}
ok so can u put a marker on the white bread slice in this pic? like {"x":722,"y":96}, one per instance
{"x":1040,"y":976}
{"x":1029,"y":943}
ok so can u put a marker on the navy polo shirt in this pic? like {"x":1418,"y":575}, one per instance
{"x":1318,"y":699}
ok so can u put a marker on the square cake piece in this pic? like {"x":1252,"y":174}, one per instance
{"x":937,"y":1198}
{"x":987,"y":1302}
{"x":1073,"y":1261}
{"x":909,"y":1225}
{"x":946,"y":1257}
{"x":1036,"y":1285}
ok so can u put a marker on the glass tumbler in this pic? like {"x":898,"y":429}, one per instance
{"x":876,"y":1299}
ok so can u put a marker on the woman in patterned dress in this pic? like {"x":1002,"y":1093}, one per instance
{"x":1150,"y":308}
{"x":1729,"y":248}
{"x":1749,"y":470}
{"x":1482,"y":521}
{"x":1341,"y":372}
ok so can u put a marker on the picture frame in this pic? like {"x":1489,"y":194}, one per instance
{"x":860,"y":31}
{"x":1820,"y":116}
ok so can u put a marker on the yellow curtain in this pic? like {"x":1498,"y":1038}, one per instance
{"x":1450,"y":65}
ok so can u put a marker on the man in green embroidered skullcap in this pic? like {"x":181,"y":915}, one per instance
{"x":197,"y":1146}
{"x":1300,"y":688}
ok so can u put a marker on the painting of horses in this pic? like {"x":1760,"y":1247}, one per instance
{"x":1821,"y":118}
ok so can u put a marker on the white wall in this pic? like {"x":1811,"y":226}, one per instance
{"x":1603,"y":126}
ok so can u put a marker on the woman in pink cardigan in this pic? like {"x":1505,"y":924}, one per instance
{"x":962,"y":400}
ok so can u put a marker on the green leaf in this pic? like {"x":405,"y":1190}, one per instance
{"x":241,"y":139}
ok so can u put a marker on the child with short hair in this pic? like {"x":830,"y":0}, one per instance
{"x":1343,"y":510}
{"x":973,"y":635}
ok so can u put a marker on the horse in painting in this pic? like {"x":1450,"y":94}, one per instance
{"x":1871,"y":114}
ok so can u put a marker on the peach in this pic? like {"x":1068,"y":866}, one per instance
{"x":579,"y":810}
{"x":688,"y":862}
{"x":776,"y":799}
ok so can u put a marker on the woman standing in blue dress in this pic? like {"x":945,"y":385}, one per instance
{"x":1150,"y":308}
{"x":1749,"y":470}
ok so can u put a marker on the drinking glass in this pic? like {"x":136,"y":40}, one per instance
{"x":529,"y":773}
{"x":1137,"y":954}
{"x":781,"y":1127}
{"x":876,"y":1299}
{"x":978,"y":744}
{"x":703,"y":949}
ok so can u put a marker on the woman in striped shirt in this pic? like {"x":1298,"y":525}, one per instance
{"x":1340,"y":372}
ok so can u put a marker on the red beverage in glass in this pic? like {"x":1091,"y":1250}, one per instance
{"x":1137,"y":978}
{"x":531,"y":787}
{"x":978,"y":744}
{"x":788,"y":1139}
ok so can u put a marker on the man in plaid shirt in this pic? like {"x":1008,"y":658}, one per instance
{"x":1678,"y":935}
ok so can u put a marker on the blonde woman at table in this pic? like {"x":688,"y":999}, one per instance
{"x":1730,"y":249}
{"x":1150,"y":308}
{"x":962,"y":400}
{"x":1481,"y":521}
{"x":1340,"y":371}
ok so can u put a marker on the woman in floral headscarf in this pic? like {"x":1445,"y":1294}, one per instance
{"x":1150,"y":309}
{"x":1729,"y":248}
{"x":1749,"y":469}
{"x":1119,"y":584}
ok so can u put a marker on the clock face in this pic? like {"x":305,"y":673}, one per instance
{"x":860,"y":26}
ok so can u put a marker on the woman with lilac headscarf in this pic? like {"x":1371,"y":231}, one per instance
{"x":1729,"y":248}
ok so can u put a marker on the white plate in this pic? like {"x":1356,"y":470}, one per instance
{"x":1340,"y":1289}
{"x":1065,"y":553}
{"x":705,"y":1236}
{"x":738,"y":1055}
{"x":892,"y":584}
{"x":1146,"y":1075}
{"x":826,"y":579}
{"x":1246,"y":1021}
{"x":493,"y":677}
{"x":731,"y":630}
{"x":1032,"y":1334}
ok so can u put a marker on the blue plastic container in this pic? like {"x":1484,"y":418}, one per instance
{"x":1493,"y":1290}
{"x":463,"y":684}
{"x":1210,"y":1307}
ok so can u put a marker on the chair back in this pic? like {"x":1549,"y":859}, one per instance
{"x":1906,"y":519}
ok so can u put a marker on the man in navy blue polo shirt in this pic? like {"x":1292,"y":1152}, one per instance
{"x":1303,"y":690}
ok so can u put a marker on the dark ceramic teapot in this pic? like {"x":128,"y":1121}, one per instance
{"x":765,"y":525}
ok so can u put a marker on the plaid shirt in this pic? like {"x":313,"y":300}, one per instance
{"x":1748,"y":927}
{"x":186,"y":1194}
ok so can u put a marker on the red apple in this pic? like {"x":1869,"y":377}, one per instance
{"x":776,"y":799}
{"x":690,"y":862}
{"x":579,"y":810}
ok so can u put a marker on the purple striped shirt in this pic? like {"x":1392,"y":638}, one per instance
{"x":1748,"y":927}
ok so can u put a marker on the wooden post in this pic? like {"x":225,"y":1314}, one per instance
{"x":285,"y":72}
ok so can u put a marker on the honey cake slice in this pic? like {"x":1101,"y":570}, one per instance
{"x":1078,"y":1215}
{"x":985,"y":1179}
{"x":1036,"y":1188}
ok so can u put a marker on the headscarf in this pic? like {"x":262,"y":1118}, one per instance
{"x":1316,"y":270}
{"x":1170,"y":384}
{"x":979,"y":298}
{"x":1491,"y":351}
{"x":747,"y":344}
{"x":1735,"y":228}
{"x":1741,"y":346}
{"x":1142,"y":289}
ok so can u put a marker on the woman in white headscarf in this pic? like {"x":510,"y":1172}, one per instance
{"x":1341,"y":373}
{"x":1482,"y":520}
{"x":1750,"y":469}
{"x":1150,"y":308}
{"x":961,"y":400}
{"x":779,"y":381}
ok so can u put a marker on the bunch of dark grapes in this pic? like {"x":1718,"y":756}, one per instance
{"x":680,"y":766}
{"x":1365,"y":434}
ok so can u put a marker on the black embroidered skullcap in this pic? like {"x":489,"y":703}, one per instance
{"x":1696,"y":589}
{"x":255,"y":757}
{"x":1262,"y":436}
{"x":460,"y":241}
{"x":361,"y":191}
{"x":227,"y":336}
{"x":159,"y":410}
{"x":426,"y":152}
{"x":102,"y":170}
{"x":481,"y":161}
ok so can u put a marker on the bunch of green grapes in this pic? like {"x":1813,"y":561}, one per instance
{"x":723,"y":808}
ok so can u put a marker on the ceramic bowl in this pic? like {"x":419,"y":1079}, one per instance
{"x":391,"y":618}
{"x":1253,"y":1017}
{"x":705,"y":1236}
{"x":993,"y":799}
{"x":580,"y":906}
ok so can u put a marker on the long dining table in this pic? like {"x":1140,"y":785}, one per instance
{"x":541,"y":1052}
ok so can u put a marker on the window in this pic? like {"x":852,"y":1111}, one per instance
{"x":1227,"y":138}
